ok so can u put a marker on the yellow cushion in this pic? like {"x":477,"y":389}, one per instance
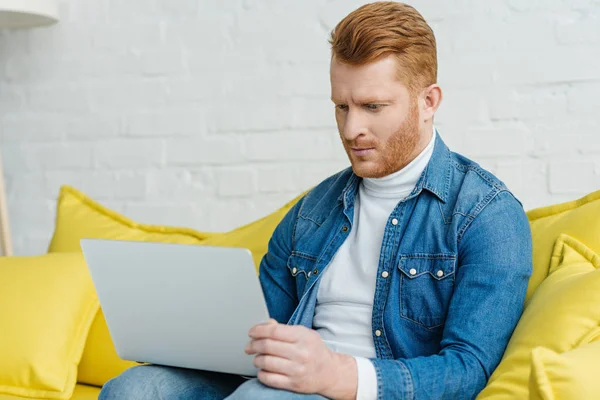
{"x":577,"y":219}
{"x":568,"y":376}
{"x":79,"y":217}
{"x":100,"y":361}
{"x":563,"y":313}
{"x":47,"y":304}
{"x":81,"y":392}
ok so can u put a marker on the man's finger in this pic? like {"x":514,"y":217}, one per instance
{"x":273,"y":380}
{"x":284,"y":333}
{"x":272,"y":347}
{"x":276,"y":365}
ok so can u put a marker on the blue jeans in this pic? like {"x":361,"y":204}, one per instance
{"x":156,"y":382}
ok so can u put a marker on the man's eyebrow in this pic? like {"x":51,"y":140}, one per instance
{"x":368,"y":100}
{"x":375,"y":100}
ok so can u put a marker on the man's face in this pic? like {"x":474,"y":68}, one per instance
{"x":377,"y":117}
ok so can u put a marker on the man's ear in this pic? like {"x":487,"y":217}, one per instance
{"x":432,"y":97}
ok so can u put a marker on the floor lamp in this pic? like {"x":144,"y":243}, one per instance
{"x":15,"y":14}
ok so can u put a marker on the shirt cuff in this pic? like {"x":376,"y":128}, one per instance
{"x":367,"y":379}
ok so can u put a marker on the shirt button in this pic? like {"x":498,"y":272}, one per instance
{"x":309,"y":274}
{"x":377,"y":333}
{"x":385,"y":274}
{"x":394,"y":221}
{"x":294,"y":270}
{"x":412,"y":271}
{"x":440,"y":273}
{"x":316,"y":271}
{"x":344,"y":229}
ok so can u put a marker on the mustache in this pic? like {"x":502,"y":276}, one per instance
{"x":362,"y":144}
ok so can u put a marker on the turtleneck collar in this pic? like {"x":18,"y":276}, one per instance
{"x":402,"y":182}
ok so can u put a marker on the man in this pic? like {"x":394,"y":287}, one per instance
{"x":402,"y":277}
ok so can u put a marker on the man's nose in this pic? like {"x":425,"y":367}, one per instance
{"x":354,"y":126}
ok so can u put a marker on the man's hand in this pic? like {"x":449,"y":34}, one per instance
{"x":295,"y":358}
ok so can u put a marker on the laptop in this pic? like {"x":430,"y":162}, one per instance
{"x":178,"y":305}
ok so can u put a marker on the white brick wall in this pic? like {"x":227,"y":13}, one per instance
{"x":211,"y":114}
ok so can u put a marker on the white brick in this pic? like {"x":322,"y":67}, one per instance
{"x":30,"y":215}
{"x":167,"y":123}
{"x":235,"y":182}
{"x":526,"y":178}
{"x":313,"y":113}
{"x":22,"y":68}
{"x":578,"y":29}
{"x":120,"y":10}
{"x":246,"y":116}
{"x":31,"y":243}
{"x":204,"y":151}
{"x":276,"y":178}
{"x":12,"y":98}
{"x":302,"y":80}
{"x":471,"y":71}
{"x":573,"y":177}
{"x":479,"y":9}
{"x":288,"y":146}
{"x":100,"y":185}
{"x":517,"y":34}
{"x":535,"y":5}
{"x":267,"y":203}
{"x":55,"y":179}
{"x":497,"y":141}
{"x":122,"y":153}
{"x":463,"y":106}
{"x":308,"y":175}
{"x":528,"y":103}
{"x":24,"y":186}
{"x":15,"y":42}
{"x":68,"y":98}
{"x":50,"y":156}
{"x":582,"y":99}
{"x":195,"y":89}
{"x":332,"y":12}
{"x":93,"y":126}
{"x":303,"y":42}
{"x":127,"y":96}
{"x":574,"y":63}
{"x":170,"y":214}
{"x":229,"y":213}
{"x":203,"y":38}
{"x":161,"y":63}
{"x":77,"y":11}
{"x":66,"y":156}
{"x":180,"y":8}
{"x":54,"y":43}
{"x":131,"y":185}
{"x":178,"y":185}
{"x":566,"y":137}
{"x":33,"y":128}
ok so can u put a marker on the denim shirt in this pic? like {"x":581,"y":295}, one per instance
{"x":458,"y":255}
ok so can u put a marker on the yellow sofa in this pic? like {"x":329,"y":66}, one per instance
{"x":572,"y":223}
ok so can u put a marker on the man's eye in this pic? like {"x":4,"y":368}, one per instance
{"x":372,"y":106}
{"x":342,"y":107}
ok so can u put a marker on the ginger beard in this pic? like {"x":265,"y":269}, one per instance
{"x":387,"y":156}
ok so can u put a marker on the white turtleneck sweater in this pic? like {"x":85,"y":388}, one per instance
{"x":345,"y":298}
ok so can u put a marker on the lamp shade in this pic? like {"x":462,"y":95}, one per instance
{"x":27,"y":13}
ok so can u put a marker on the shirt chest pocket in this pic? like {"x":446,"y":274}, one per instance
{"x":301,"y":268}
{"x":426,"y":287}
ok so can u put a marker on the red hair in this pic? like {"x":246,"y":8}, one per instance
{"x":379,"y":29}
